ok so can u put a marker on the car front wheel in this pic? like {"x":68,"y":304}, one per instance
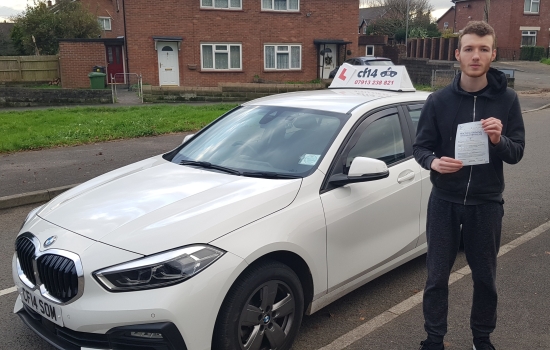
{"x":262,"y":311}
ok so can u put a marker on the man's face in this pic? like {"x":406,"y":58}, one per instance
{"x":475,"y":54}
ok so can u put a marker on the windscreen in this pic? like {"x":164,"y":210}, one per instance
{"x":266,"y":139}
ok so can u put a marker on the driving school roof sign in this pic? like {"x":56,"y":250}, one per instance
{"x":393,"y":78}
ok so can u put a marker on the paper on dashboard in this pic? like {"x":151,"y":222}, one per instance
{"x":472,"y":144}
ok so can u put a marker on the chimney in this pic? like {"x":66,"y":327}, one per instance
{"x":49,"y":3}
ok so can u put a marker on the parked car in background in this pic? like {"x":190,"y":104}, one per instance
{"x":364,"y":61}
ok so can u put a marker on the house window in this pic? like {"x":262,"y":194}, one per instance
{"x":370,"y":50}
{"x":104,"y":23}
{"x":531,"y":6}
{"x":221,"y":56}
{"x":282,"y":57}
{"x":365,"y":29}
{"x":281,"y":5}
{"x":528,"y":38}
{"x":221,"y":4}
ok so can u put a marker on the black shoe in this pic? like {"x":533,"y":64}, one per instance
{"x":483,"y":344}
{"x":428,"y":345}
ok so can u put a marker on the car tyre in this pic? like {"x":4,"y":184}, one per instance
{"x":263,"y":310}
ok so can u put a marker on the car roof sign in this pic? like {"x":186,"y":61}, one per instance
{"x":394,"y":78}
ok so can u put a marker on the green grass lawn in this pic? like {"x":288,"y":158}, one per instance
{"x":545,"y":61}
{"x":27,"y":130}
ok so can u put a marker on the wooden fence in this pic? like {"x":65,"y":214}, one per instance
{"x":29,"y":68}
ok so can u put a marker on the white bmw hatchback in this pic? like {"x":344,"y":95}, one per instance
{"x":272,"y":211}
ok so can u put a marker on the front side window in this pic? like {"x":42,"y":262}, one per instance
{"x":221,"y":4}
{"x":529,"y":38}
{"x":382,"y":140}
{"x":104,"y":23}
{"x":281,"y":140}
{"x":282,"y":57}
{"x":281,"y":5}
{"x":221,"y":56}
{"x":531,"y":6}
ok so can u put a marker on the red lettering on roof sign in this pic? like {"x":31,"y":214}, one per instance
{"x":342,"y":76}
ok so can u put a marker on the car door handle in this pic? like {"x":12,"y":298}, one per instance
{"x":405,"y":176}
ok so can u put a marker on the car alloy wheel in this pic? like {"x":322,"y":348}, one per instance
{"x":262,"y":311}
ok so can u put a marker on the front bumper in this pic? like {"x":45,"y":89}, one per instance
{"x":119,"y":338}
{"x":191,"y":307}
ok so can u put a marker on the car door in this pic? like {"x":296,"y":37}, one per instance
{"x":371,"y":223}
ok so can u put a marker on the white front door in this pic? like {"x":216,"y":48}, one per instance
{"x":371,"y":223}
{"x":168,"y":63}
{"x":327,"y":61}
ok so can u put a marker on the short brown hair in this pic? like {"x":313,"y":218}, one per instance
{"x":478,"y":28}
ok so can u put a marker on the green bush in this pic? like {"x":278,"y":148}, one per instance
{"x":532,"y":53}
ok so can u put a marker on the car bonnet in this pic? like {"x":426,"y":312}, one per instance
{"x":155,"y":205}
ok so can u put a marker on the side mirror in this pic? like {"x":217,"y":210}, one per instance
{"x":187,"y":138}
{"x":362,"y":169}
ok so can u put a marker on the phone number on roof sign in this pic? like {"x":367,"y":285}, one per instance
{"x":374,"y":82}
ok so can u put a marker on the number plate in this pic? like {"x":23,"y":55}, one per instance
{"x":46,"y":308}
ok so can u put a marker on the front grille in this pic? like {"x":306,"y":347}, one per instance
{"x":54,"y":269}
{"x":25,"y":253}
{"x":58,"y":274}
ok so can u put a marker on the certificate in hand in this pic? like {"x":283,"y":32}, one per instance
{"x":472,"y":144}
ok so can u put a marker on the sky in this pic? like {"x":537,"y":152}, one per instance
{"x":13,"y":7}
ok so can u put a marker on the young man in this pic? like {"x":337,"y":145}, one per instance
{"x":467,"y":199}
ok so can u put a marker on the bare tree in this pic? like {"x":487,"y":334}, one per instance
{"x":395,"y":18}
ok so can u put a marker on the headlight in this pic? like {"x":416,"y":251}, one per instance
{"x":31,"y":215}
{"x":159,"y":270}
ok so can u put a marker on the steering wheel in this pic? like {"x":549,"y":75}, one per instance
{"x":245,"y":146}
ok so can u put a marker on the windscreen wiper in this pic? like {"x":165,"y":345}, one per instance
{"x":208,"y":165}
{"x":269,"y":175}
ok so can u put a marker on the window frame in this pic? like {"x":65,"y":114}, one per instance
{"x":214,"y":69}
{"x":531,"y":3}
{"x":367,"y":49}
{"x":529,"y":34}
{"x":102,"y":20}
{"x":272,"y":9}
{"x":228,"y":8}
{"x":289,"y":57}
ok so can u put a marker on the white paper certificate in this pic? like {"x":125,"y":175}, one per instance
{"x":472,"y":144}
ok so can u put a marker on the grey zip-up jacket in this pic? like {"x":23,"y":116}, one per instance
{"x":436,"y":132}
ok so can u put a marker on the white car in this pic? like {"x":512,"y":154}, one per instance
{"x":272,"y":211}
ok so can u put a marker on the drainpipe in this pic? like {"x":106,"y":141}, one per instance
{"x":125,"y":37}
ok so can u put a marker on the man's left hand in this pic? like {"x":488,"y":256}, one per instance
{"x":493,"y":128}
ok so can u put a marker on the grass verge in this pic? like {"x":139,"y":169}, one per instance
{"x":545,"y":61}
{"x":36,"y":129}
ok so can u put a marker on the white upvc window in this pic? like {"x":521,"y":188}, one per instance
{"x":282,"y":57}
{"x":281,"y":5}
{"x":222,"y":4}
{"x":221,"y":56}
{"x":369,"y":50}
{"x":528,"y":38}
{"x":104,"y":23}
{"x":531,"y":6}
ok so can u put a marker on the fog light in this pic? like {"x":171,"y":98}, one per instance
{"x":146,"y":335}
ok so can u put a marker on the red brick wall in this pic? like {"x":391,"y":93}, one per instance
{"x":470,"y":11}
{"x":509,"y":33}
{"x":448,"y":17}
{"x":108,"y":8}
{"x":506,"y":17}
{"x":76,"y":60}
{"x":251,"y":27}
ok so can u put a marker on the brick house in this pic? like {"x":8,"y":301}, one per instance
{"x":205,"y":42}
{"x":516,"y":23}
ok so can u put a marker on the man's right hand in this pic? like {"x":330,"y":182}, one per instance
{"x":446,"y":165}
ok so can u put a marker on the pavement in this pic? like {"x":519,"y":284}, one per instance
{"x":37,"y":176}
